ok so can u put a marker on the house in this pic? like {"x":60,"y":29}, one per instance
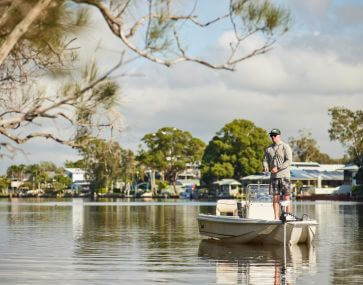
{"x":319,"y":178}
{"x":79,"y":181}
{"x":350,"y":172}
{"x":227,"y":187}
{"x":76,"y":174}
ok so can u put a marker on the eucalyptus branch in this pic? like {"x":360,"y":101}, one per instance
{"x":36,"y":111}
{"x":117,"y":29}
{"x":21,"y":28}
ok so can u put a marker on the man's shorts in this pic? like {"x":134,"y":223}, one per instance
{"x":280,"y":186}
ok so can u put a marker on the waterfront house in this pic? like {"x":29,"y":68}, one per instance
{"x":312,"y":177}
{"x":227,"y":187}
{"x":76,"y":174}
{"x":79,"y":181}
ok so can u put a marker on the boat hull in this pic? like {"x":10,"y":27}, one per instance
{"x":245,"y":230}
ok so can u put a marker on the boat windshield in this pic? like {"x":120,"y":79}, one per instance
{"x":258,"y":193}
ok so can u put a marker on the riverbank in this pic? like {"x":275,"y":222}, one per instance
{"x":318,"y":197}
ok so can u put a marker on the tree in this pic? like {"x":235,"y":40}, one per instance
{"x":103,"y":162}
{"x":4,"y":184}
{"x":48,"y":166}
{"x":235,"y":151}
{"x":35,"y":39}
{"x":170,"y":150}
{"x":305,"y":148}
{"x":37,"y":175}
{"x":75,"y":164}
{"x":62,"y":182}
{"x":16,"y":171}
{"x":35,"y":36}
{"x":128,"y":165}
{"x":346,"y":126}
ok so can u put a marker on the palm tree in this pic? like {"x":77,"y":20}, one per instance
{"x":37,"y":174}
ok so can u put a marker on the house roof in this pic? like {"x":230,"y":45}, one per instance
{"x":316,"y":174}
{"x":351,"y":167}
{"x":227,"y":182}
{"x":257,"y":177}
{"x":75,"y":170}
{"x":303,"y":174}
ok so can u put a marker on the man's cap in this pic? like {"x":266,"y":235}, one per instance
{"x":275,"y":132}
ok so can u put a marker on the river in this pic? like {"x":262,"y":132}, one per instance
{"x":152,"y":242}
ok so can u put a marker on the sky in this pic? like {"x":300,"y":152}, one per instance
{"x":317,"y":65}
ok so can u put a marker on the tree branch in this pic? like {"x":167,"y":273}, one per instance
{"x":22,"y":28}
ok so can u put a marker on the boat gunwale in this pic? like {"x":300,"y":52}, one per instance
{"x":238,"y":220}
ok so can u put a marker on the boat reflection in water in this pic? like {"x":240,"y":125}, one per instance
{"x":257,"y":264}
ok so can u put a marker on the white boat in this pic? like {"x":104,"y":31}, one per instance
{"x":253,"y":222}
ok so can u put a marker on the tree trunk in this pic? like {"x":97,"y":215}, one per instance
{"x":22,"y":28}
{"x":174,"y":184}
{"x":153,"y":186}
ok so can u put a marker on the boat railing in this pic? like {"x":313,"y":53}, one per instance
{"x":257,"y":193}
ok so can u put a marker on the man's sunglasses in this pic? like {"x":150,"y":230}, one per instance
{"x":272,"y":136}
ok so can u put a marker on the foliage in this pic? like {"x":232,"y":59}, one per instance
{"x":75,"y":164}
{"x":162,"y":185}
{"x":38,"y":39}
{"x":359,"y":176}
{"x":235,"y":151}
{"x":37,"y":174}
{"x":346,"y":126}
{"x":48,"y":166}
{"x":4,"y":183}
{"x":16,"y":171}
{"x":62,"y":182}
{"x":170,"y":151}
{"x":128,"y":165}
{"x":298,"y":185}
{"x":357,"y":190}
{"x":45,"y":45}
{"x":102,"y":160}
{"x":305,"y":149}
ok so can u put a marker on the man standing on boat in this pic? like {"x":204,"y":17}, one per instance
{"x":277,"y":161}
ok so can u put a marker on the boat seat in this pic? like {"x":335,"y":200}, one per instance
{"x":227,"y":208}
{"x":260,"y":210}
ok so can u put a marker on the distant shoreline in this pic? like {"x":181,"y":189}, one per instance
{"x":298,"y":198}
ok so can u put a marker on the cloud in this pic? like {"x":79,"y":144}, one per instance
{"x":313,"y":6}
{"x":349,"y":14}
{"x":291,"y":87}
{"x":205,"y":110}
{"x":317,"y":65}
{"x":299,"y":71}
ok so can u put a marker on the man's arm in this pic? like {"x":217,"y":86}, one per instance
{"x":287,"y":157}
{"x":265,"y":162}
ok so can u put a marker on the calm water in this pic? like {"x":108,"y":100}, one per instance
{"x":80,"y":242}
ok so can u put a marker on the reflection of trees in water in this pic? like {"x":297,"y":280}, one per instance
{"x":301,"y":208}
{"x":347,"y":256}
{"x":113,"y":228}
{"x":34,"y":228}
{"x":256,"y":264}
{"x":20,"y":213}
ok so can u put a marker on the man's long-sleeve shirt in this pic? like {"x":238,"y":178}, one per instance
{"x":280,"y":156}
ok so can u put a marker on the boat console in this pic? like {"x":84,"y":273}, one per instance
{"x":243,"y":209}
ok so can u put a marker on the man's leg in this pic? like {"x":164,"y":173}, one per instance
{"x":287,"y":198}
{"x":286,"y":192}
{"x":276,"y":206}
